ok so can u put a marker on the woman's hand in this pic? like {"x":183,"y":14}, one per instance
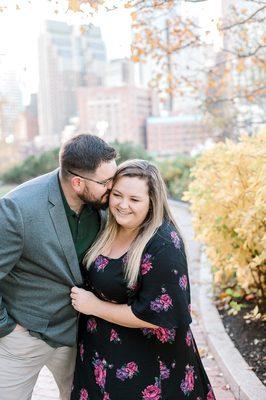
{"x":83,"y":301}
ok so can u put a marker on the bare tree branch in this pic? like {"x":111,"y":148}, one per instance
{"x":245,"y":55}
{"x":249,"y":18}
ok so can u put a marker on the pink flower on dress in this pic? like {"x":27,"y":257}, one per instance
{"x":83,"y":394}
{"x":81,"y":351}
{"x":161,"y":303}
{"x":188,"y":338}
{"x":100,"y":263}
{"x":164,"y":335}
{"x":127,"y":371}
{"x":175,"y":239}
{"x":91,"y":325}
{"x":210,"y":395}
{"x":106,"y":396}
{"x":164,"y":371}
{"x":152,"y":392}
{"x":114,"y":337}
{"x":183,"y":281}
{"x":99,"y":371}
{"x":146,"y":264}
{"x":187,"y":384}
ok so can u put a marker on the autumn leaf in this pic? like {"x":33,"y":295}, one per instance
{"x":74,"y":5}
{"x":240,"y":66}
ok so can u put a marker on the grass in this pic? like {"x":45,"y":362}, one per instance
{"x":6,"y":188}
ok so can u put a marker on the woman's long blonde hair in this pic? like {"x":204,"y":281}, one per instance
{"x":158,"y":212}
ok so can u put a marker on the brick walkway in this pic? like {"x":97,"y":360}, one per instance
{"x":46,"y":389}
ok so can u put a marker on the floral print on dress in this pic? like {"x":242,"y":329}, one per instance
{"x":114,"y":337}
{"x":100,"y":263}
{"x":152,"y":392}
{"x":142,"y":364}
{"x":188,"y":383}
{"x":83,"y":394}
{"x":175,"y":239}
{"x":91,"y":325}
{"x":183,"y":282}
{"x":81,"y":351}
{"x":210,"y":395}
{"x":164,"y":335}
{"x":127,"y":371}
{"x":164,"y":371}
{"x":189,"y":338}
{"x":100,"y":370}
{"x":162,"y":302}
{"x":146,"y":264}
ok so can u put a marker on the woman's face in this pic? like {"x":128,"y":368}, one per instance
{"x":129,"y":201}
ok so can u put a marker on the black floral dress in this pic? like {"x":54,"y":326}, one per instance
{"x":119,"y":363}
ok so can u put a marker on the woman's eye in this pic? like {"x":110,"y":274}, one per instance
{"x":116,"y":194}
{"x":135,"y":200}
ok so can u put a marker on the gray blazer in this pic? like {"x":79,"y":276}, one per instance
{"x":38,"y":262}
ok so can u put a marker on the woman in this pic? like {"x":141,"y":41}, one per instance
{"x":134,"y":341}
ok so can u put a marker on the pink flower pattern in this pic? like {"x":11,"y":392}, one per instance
{"x":81,"y":351}
{"x":100,"y":368}
{"x":146,"y":264}
{"x":127,"y":371}
{"x":114,"y":337}
{"x":161,"y":303}
{"x":183,"y":281}
{"x":187,"y":384}
{"x":91,"y":325}
{"x":164,"y":371}
{"x":100,"y":263}
{"x":152,"y":392}
{"x":175,"y":239}
{"x":83,"y":394}
{"x":164,"y":335}
{"x":210,"y":395}
{"x":188,"y":338}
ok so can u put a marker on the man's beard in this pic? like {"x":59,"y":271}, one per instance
{"x":98,"y":204}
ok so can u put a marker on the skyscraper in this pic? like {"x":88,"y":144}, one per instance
{"x":57,"y":80}
{"x":68,"y":58}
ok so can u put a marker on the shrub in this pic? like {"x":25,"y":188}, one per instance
{"x":176,"y":174}
{"x":227,"y":198}
{"x":129,"y":150}
{"x":32,"y":166}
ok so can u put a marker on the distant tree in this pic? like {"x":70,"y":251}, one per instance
{"x":129,"y":150}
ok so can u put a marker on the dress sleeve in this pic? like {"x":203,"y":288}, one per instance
{"x":163,"y":295}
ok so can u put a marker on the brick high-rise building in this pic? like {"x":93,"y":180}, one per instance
{"x":117,"y":113}
{"x":173,"y":135}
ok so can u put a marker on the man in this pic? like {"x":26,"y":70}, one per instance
{"x":46,"y":226}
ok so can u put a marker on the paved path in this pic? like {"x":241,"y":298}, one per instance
{"x":45,"y":388}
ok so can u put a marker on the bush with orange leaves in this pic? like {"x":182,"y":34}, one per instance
{"x":228,"y":203}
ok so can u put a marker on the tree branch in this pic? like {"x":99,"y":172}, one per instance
{"x":244,"y":20}
{"x":245,"y":55}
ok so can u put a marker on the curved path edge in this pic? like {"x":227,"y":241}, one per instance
{"x":242,"y":380}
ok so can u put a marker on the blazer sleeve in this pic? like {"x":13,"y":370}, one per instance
{"x":163,"y":297}
{"x":11,"y":243}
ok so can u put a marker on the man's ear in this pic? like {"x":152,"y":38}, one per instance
{"x":76,"y":183}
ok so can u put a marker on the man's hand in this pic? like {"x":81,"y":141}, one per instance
{"x":83,"y":301}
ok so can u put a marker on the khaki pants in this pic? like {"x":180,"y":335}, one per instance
{"x":22,"y":356}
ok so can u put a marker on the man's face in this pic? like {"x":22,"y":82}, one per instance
{"x":97,"y":193}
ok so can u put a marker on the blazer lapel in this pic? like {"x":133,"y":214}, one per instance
{"x":58,"y":215}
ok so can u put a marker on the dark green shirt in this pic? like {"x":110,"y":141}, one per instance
{"x":84,"y":227}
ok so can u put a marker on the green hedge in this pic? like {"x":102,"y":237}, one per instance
{"x":175,"y":171}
